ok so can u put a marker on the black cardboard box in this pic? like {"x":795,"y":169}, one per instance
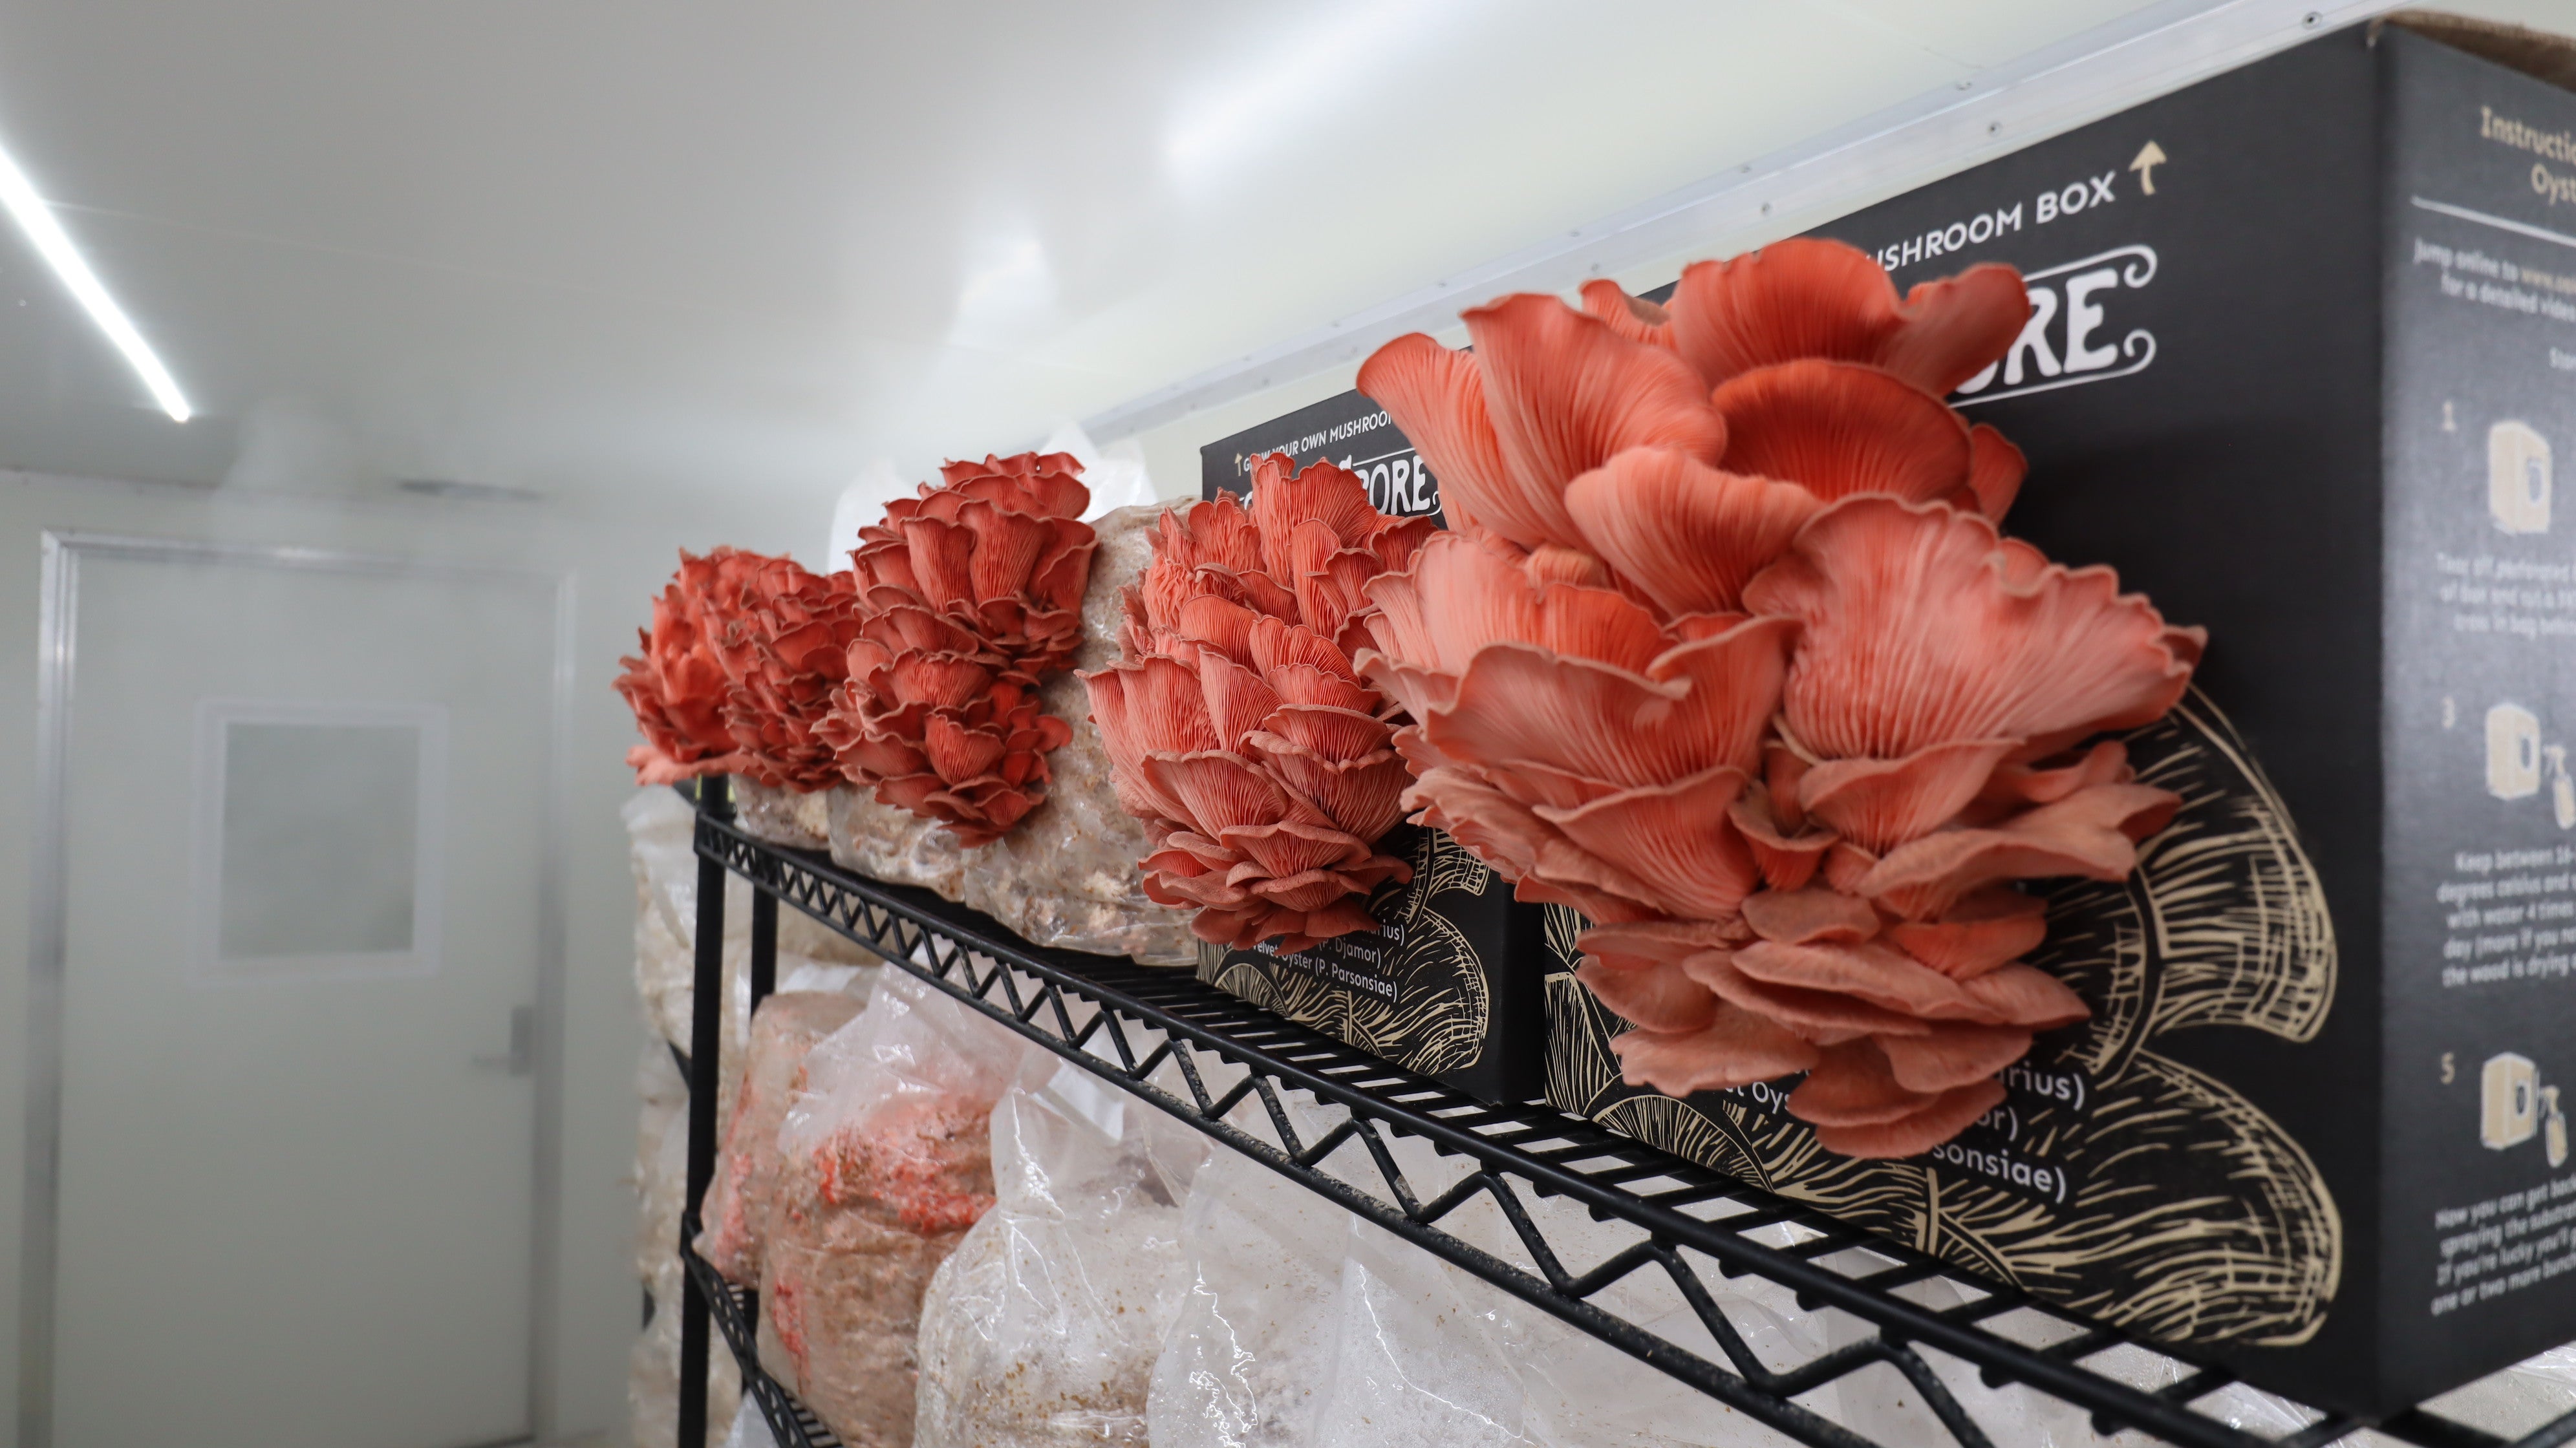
{"x":2303,"y":349}
{"x":1452,"y":982}
{"x":2303,"y":352}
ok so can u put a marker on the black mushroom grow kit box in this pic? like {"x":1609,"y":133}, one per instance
{"x":2301,"y":351}
{"x":2301,"y":347}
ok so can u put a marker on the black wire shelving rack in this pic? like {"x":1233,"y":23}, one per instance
{"x":1258,"y":1083}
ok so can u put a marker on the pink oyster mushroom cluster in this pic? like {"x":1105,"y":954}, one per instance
{"x":676,"y":685}
{"x":780,"y":637}
{"x":968,"y":595}
{"x":1237,"y":727}
{"x":1728,"y":654}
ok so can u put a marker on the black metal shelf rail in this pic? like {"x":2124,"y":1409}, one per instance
{"x":1146,"y":1029}
{"x":736,"y":1311}
{"x":706,"y":1298}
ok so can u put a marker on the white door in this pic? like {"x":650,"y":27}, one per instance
{"x":304,"y":919}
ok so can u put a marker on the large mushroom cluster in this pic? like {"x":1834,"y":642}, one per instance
{"x":1236,"y":725}
{"x":1727,"y":653}
{"x":969,"y":593}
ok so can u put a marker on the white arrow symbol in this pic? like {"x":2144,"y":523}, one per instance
{"x":2150,"y":156}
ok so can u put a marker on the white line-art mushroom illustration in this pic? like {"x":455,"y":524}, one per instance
{"x":2223,"y":924}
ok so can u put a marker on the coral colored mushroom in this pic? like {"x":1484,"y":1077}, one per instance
{"x":1548,"y":395}
{"x":1685,"y":535}
{"x":677,"y":687}
{"x":1235,"y":724}
{"x":998,"y":549}
{"x":1567,"y":736}
{"x":1634,"y":318}
{"x":969,"y":593}
{"x":1797,"y":831}
{"x":781,"y":642}
{"x":1922,"y":626}
{"x":1799,"y":298}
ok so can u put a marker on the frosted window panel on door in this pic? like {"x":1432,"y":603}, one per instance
{"x":321,"y":839}
{"x":319,"y":832}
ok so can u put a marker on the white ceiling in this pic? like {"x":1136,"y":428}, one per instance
{"x":622,"y":249}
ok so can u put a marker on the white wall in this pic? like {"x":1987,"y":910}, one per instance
{"x":617,"y":562}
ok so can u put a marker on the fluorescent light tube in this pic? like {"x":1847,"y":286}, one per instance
{"x":37,"y":220}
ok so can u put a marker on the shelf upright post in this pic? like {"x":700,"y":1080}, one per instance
{"x":706,"y":1048}
{"x":764,"y":944}
{"x":764,"y":981}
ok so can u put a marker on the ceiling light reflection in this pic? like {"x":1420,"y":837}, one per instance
{"x":36,"y":219}
{"x":1008,"y":291}
{"x":1292,"y":79}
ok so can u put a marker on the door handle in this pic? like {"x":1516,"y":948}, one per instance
{"x":522,"y":1057}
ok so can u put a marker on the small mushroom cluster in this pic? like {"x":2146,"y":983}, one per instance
{"x":738,"y":672}
{"x":1236,"y":725}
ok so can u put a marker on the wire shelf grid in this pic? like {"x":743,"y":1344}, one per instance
{"x":736,"y":1311}
{"x":1236,"y":1073}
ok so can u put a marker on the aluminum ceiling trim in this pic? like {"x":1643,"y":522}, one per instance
{"x":2108,"y":69}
